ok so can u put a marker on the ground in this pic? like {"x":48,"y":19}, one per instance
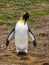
{"x":39,"y":25}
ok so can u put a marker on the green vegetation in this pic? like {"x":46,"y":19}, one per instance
{"x":40,"y":13}
{"x":12,"y":10}
{"x":8,"y":24}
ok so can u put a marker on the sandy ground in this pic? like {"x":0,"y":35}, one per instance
{"x":36,"y":56}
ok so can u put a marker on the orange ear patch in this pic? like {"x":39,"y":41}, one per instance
{"x":24,"y":12}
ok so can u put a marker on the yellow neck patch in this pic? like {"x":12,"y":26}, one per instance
{"x":22,"y":21}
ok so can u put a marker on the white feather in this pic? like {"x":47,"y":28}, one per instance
{"x":21,"y":37}
{"x":11,"y":35}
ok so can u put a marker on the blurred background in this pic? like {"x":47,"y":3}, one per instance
{"x":10,"y":12}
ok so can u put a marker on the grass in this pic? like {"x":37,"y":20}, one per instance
{"x":7,"y":23}
{"x":12,"y":10}
{"x":37,"y":13}
{"x":40,"y":13}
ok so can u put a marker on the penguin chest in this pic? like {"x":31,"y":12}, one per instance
{"x":21,"y":36}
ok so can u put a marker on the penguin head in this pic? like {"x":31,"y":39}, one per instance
{"x":25,"y":16}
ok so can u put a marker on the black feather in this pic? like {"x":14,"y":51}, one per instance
{"x":7,"y":42}
{"x":26,"y":16}
{"x":34,"y":43}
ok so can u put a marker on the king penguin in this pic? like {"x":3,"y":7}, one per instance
{"x":21,"y":32}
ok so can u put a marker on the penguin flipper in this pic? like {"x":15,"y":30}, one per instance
{"x":31,"y":35}
{"x":10,"y":36}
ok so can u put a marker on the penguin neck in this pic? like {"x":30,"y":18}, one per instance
{"x":22,"y":21}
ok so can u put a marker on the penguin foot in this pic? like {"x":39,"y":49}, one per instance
{"x":22,"y":54}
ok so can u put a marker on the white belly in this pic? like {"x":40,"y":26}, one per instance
{"x":21,"y":37}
